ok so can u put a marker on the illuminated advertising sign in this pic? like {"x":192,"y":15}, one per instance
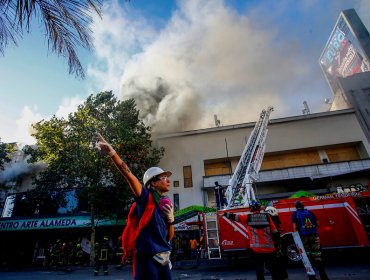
{"x":342,"y":56}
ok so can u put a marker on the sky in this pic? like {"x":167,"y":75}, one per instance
{"x":182,"y":61}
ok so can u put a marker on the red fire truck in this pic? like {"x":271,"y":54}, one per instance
{"x":344,"y":223}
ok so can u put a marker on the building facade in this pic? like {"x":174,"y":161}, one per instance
{"x":320,"y":153}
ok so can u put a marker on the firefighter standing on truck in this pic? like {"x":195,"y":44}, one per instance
{"x":101,"y":256}
{"x":261,"y":231}
{"x":306,"y":223}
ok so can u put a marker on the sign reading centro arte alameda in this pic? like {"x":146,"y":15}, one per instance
{"x":54,"y":223}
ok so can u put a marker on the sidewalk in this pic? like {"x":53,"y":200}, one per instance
{"x":218,"y":272}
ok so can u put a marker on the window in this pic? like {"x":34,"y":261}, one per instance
{"x":176,"y":184}
{"x":188,"y":181}
{"x":176,"y":202}
{"x":212,"y":168}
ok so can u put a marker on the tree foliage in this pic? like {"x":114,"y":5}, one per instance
{"x":67,"y":146}
{"x":64,"y":23}
{"x":5,"y":153}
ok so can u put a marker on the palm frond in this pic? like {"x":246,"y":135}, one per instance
{"x":66,"y":25}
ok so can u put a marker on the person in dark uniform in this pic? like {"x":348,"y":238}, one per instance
{"x":306,"y":223}
{"x":79,"y":255}
{"x":280,"y":262}
{"x":101,"y":256}
{"x":118,"y":253}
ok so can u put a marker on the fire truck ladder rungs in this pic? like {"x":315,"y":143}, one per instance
{"x":213,"y":246}
{"x":250,"y":162}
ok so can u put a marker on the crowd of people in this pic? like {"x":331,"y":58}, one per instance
{"x":61,"y":253}
{"x":66,"y":253}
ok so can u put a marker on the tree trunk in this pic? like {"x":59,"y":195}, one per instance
{"x":92,"y":220}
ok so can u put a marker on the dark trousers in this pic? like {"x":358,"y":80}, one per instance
{"x":270,"y":260}
{"x":280,"y":267}
{"x":99,"y":263}
{"x":150,"y":269}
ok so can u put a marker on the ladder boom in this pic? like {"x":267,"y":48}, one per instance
{"x":240,"y":192}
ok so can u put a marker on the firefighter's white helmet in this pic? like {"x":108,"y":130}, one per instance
{"x":152,"y":172}
{"x":271,"y":210}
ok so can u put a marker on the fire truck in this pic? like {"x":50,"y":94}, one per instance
{"x":344,"y":223}
{"x":344,"y":217}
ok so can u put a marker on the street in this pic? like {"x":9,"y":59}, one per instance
{"x":354,"y":272}
{"x":351,"y":267}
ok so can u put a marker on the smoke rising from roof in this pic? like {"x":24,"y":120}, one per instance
{"x":211,"y":59}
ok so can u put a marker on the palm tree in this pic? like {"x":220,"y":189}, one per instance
{"x":65,"y":24}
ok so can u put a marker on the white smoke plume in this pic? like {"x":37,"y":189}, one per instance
{"x":17,"y":169}
{"x":209,"y":58}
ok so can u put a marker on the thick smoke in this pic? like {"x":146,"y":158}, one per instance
{"x":19,"y":169}
{"x":209,"y":58}
{"x":165,"y":106}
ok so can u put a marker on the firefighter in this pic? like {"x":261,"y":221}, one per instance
{"x":261,"y":230}
{"x":119,"y":253}
{"x":69,"y":253}
{"x":280,"y":263}
{"x":101,"y":256}
{"x":79,"y":255}
{"x":56,"y":254}
{"x":306,"y":223}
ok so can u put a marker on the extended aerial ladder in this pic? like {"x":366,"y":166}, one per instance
{"x":240,"y":189}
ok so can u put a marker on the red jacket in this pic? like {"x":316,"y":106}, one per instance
{"x":260,"y":230}
{"x":133,"y":228}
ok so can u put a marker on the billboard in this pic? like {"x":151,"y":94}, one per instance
{"x":342,"y":55}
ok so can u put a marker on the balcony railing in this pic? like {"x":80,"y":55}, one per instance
{"x":311,"y":171}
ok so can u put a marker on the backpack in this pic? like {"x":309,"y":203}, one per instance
{"x":134,"y":225}
{"x":306,"y":222}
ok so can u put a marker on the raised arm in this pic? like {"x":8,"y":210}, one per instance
{"x":131,"y":179}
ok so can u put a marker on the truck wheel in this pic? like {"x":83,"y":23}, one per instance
{"x":289,"y":249}
{"x":291,"y":252}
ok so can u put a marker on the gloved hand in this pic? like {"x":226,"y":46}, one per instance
{"x":168,"y":211}
{"x":104,"y":146}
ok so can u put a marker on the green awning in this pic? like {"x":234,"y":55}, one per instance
{"x":190,"y":212}
{"x":301,"y":193}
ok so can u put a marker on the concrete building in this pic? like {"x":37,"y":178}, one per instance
{"x":321,"y":153}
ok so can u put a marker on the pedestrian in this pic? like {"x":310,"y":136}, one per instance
{"x":306,"y":223}
{"x":280,"y":260}
{"x":261,"y":230}
{"x":193,"y":243}
{"x":101,"y":256}
{"x":151,"y":255}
